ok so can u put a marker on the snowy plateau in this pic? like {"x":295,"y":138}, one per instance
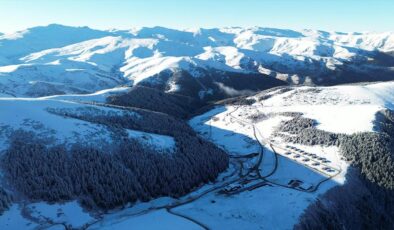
{"x":229,"y":128}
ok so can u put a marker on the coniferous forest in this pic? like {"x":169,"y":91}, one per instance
{"x":106,"y":178}
{"x":366,"y":200}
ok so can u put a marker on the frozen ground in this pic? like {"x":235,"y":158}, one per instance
{"x":275,"y":205}
{"x":70,"y":213}
{"x":263,"y":208}
{"x":32,"y":115}
{"x":160,"y":219}
{"x":340,"y":109}
{"x":266,"y":207}
{"x":51,"y":216}
{"x":99,"y":96}
{"x":12,"y":219}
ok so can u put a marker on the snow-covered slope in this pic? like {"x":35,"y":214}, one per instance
{"x":44,"y":118}
{"x":24,"y":42}
{"x":58,"y":59}
{"x":279,"y":202}
{"x":84,"y":120}
{"x":340,"y":109}
{"x":345,"y":109}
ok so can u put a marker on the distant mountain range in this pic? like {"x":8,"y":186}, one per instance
{"x":111,"y":129}
{"x":203,"y":63}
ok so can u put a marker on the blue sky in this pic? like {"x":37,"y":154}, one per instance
{"x":333,"y":15}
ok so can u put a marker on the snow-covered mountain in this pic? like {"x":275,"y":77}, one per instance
{"x":307,"y":132}
{"x":295,"y":174}
{"x":22,"y":43}
{"x":203,"y":63}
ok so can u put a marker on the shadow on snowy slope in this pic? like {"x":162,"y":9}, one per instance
{"x":238,"y":144}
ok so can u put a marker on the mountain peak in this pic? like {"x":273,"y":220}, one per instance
{"x":45,"y":37}
{"x":58,"y":53}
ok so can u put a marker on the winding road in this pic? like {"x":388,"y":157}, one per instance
{"x":262,"y":142}
{"x":261,"y":180}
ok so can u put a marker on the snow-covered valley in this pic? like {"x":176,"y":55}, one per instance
{"x":289,"y":177}
{"x":224,"y":128}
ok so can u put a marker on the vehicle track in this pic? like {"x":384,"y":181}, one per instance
{"x":255,"y":168}
{"x":203,"y":226}
{"x":311,"y":190}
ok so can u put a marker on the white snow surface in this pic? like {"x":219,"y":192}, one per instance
{"x":154,"y":220}
{"x":20,"y":217}
{"x":267,"y":207}
{"x":339,"y":109}
{"x":334,"y":109}
{"x":89,"y":65}
{"x":12,"y":219}
{"x":70,"y":212}
{"x":65,"y":59}
{"x":31,"y":114}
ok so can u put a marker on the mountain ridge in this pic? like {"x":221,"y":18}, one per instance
{"x":57,"y":59}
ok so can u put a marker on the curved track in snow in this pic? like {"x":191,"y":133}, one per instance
{"x":262,"y":142}
{"x":255,"y":168}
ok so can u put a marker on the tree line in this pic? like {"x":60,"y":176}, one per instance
{"x":5,"y":200}
{"x":366,"y":200}
{"x":110,"y":178}
{"x":106,"y":180}
{"x":178,"y":106}
{"x":372,"y":152}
